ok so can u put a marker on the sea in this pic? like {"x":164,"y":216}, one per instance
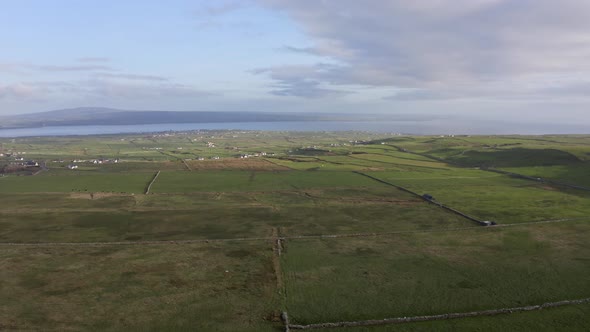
{"x":434,"y":127}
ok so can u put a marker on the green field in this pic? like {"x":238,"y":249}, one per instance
{"x":76,"y":182}
{"x":571,"y":174}
{"x":189,"y":287}
{"x":223,"y":243}
{"x":182,"y":182}
{"x":490,"y":196}
{"x":434,"y":273}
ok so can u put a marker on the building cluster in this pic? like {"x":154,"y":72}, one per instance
{"x":98,"y":161}
{"x":258,"y":154}
{"x":203,"y":158}
{"x":13,"y":155}
{"x":26,"y":163}
{"x":18,"y":160}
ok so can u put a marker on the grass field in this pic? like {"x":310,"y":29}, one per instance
{"x":490,"y":196}
{"x":76,"y":182}
{"x":575,"y":318}
{"x":189,"y":287}
{"x":228,"y":244}
{"x":181,"y":182}
{"x":432,"y":273}
{"x":571,"y":174}
{"x":213,"y":215}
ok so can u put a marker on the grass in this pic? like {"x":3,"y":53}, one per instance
{"x":432,"y":273}
{"x":76,"y":182}
{"x":490,"y":196}
{"x":569,"y":318}
{"x":182,"y":182}
{"x":78,"y":218}
{"x":514,"y":157}
{"x":135,"y":226}
{"x":578,"y":174}
{"x":305,"y":186}
{"x":209,"y":287}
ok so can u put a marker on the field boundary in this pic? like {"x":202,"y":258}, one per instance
{"x":287,"y":168}
{"x":400,"y":149}
{"x":495,"y":170}
{"x":276,"y":259}
{"x":147,"y":190}
{"x":429,"y":200}
{"x":402,"y":320}
{"x":285,"y":319}
{"x":280,"y":239}
{"x":186,"y":165}
{"x":536,"y":179}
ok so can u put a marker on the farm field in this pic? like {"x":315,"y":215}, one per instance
{"x":434,"y":273}
{"x":496,"y":197}
{"x":226,"y":230}
{"x":210,"y":287}
{"x":570,"y":174}
{"x":565,"y":318}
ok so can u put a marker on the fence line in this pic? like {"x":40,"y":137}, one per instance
{"x":147,"y":190}
{"x":186,"y":165}
{"x":429,"y":200}
{"x":401,"y":320}
{"x":531,"y":178}
{"x":276,"y":258}
{"x":495,"y":170}
{"x":281,"y":238}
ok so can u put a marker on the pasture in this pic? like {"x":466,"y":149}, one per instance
{"x":318,"y":225}
{"x":434,"y":273}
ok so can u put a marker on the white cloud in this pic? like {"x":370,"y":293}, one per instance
{"x":442,"y":48}
{"x":21,"y":67}
{"x":19,"y":90}
{"x":137,"y":77}
{"x":98,"y":89}
{"x":94,"y":59}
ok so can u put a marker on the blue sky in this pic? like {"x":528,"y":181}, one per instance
{"x":483,"y":59}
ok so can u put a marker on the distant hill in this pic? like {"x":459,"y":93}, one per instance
{"x":109,"y":116}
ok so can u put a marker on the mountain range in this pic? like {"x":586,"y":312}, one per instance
{"x":82,"y":116}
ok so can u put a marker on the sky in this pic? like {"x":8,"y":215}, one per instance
{"x":518,"y":61}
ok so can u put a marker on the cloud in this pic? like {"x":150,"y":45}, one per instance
{"x":220,"y":8}
{"x":133,"y":77}
{"x":19,"y":90}
{"x":57,"y":68}
{"x":304,"y":50}
{"x":9,"y":68}
{"x":108,"y":89}
{"x":98,"y":89}
{"x":20,"y":67}
{"x":301,"y":81}
{"x":94,"y":59}
{"x":218,"y":16}
{"x":304,"y":88}
{"x":441,"y":46}
{"x":89,"y":81}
